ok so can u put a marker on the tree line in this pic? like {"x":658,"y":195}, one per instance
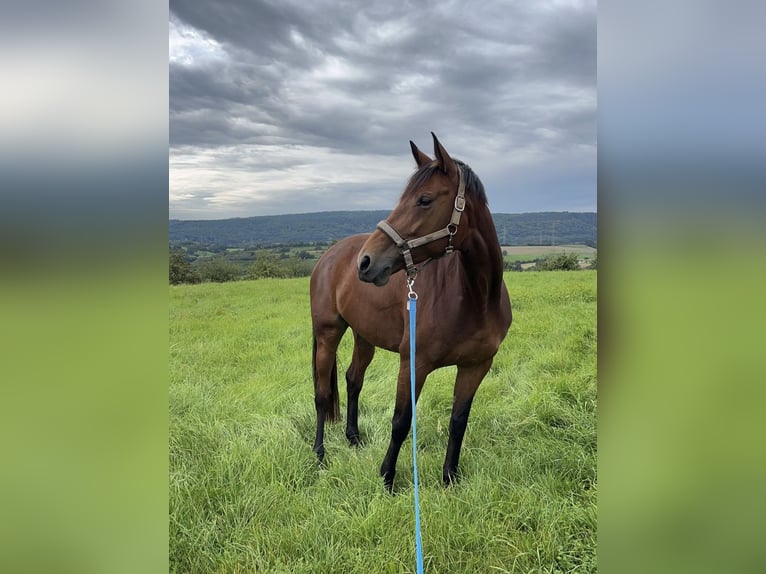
{"x":265,"y":263}
{"x":219,"y":269}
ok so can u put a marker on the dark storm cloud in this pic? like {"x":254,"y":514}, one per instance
{"x":263,"y":28}
{"x":512,"y":80}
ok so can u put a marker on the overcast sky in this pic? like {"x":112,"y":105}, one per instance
{"x":294,"y":106}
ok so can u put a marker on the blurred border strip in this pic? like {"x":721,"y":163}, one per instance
{"x":83,"y":287}
{"x":682,"y":274}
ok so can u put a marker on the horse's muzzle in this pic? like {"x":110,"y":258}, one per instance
{"x":371,"y":273}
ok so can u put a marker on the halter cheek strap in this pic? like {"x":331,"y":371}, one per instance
{"x":407,"y":245}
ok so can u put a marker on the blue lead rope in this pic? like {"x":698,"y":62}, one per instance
{"x":411,"y":305}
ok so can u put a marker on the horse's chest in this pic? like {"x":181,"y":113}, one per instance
{"x":460,"y":342}
{"x":478,"y":348}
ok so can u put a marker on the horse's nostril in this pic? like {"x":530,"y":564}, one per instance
{"x":364,"y":263}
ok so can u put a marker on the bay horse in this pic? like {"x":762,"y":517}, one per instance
{"x":464,"y":310}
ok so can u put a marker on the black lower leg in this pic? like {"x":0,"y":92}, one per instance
{"x":457,"y":426}
{"x":319,"y":440}
{"x":352,"y":418}
{"x":400,"y":427}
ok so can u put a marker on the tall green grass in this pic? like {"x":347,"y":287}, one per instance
{"x":246,"y":493}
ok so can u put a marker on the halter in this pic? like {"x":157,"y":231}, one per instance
{"x":407,"y":245}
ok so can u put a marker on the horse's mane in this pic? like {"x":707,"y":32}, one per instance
{"x":473,"y":186}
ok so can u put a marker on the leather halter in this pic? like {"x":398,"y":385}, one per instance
{"x":406,"y":245}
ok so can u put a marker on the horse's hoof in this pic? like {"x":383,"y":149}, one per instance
{"x":388,"y":481}
{"x":353,"y":439}
{"x":450,"y":478}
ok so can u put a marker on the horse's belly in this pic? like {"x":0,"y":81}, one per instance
{"x":381,"y":328}
{"x":384,"y":340}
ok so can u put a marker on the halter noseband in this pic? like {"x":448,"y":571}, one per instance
{"x":407,"y":245}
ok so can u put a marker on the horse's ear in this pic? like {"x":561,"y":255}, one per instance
{"x":420,"y":158}
{"x":446,"y":163}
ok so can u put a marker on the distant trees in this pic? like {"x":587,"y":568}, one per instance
{"x":551,"y":228}
{"x":553,"y":262}
{"x":233,"y":265}
{"x":283,"y":261}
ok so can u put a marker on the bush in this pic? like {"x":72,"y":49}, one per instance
{"x":266,"y":265}
{"x":180,"y":270}
{"x":218,"y":270}
{"x":560,"y":262}
{"x":297,"y":266}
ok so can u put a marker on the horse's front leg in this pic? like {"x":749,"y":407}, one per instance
{"x":467,"y":382}
{"x":400,"y":423}
{"x":360,"y":360}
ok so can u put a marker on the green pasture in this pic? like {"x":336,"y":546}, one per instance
{"x":246,"y":493}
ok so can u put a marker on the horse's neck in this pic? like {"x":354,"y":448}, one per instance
{"x":483,"y":259}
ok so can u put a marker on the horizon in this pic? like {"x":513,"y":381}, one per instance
{"x":368,"y":211}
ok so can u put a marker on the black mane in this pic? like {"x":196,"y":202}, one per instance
{"x":473,"y":186}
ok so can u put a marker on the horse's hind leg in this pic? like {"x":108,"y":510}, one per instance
{"x":326,"y":342}
{"x":360,"y":360}
{"x":467,"y":382}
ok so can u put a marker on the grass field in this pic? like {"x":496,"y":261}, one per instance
{"x":246,"y":494}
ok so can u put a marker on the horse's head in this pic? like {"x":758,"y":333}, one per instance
{"x":425,"y":223}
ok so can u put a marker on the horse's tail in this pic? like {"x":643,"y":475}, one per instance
{"x":332,"y":407}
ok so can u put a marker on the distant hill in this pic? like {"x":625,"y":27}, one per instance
{"x":543,"y":228}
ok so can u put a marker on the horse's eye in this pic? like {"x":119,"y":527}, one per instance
{"x":424,"y":201}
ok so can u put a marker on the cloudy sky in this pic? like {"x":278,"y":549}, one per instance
{"x":293,"y":106}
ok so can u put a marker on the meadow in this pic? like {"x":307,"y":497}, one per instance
{"x":247,"y":495}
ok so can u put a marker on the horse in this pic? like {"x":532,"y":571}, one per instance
{"x":464,"y":310}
